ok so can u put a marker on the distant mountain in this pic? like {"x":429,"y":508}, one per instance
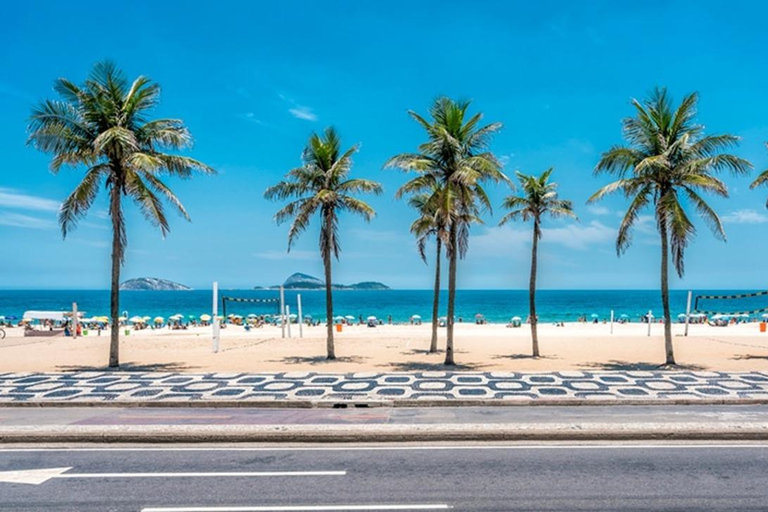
{"x":152,"y":283}
{"x":299,"y":281}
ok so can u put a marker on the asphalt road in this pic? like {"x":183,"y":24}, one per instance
{"x":615,"y":477}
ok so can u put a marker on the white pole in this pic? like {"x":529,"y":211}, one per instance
{"x":688,"y":312}
{"x":611,"y":321}
{"x":282,"y":310}
{"x":650,"y":319}
{"x":301,"y":318}
{"x":215,"y":323}
{"x":74,"y":320}
{"x":288,"y":318}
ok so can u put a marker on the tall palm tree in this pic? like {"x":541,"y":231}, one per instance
{"x":762,"y":179}
{"x":666,"y":165}
{"x":429,"y":224}
{"x":104,"y":126}
{"x":322,"y":185}
{"x":538,"y":199}
{"x":456,"y":158}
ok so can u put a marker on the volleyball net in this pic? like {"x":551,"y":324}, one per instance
{"x":733,"y":304}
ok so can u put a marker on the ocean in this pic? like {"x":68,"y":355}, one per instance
{"x":495,"y":305}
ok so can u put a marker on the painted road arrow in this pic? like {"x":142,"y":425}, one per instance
{"x":40,"y":476}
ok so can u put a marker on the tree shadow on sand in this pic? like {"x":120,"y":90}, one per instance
{"x":627,"y":366}
{"x":318,"y":360}
{"x":417,"y":366}
{"x":131,"y":367}
{"x":515,"y":357}
{"x":747,"y":357}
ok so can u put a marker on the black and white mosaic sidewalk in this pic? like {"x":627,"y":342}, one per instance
{"x":97,"y":386}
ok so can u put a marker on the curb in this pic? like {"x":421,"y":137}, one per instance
{"x":405,"y":403}
{"x":386,"y":433}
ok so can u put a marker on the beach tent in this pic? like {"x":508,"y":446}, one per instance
{"x":57,"y":316}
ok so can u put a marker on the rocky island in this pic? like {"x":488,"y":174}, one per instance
{"x":299,"y":281}
{"x":153,"y":284}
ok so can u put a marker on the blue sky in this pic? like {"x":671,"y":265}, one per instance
{"x":253,"y":80}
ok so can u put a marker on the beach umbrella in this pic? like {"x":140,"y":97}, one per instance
{"x":623,"y":315}
{"x":338,"y":318}
{"x":681,"y":315}
{"x":122,"y":318}
{"x":292,"y":316}
{"x":159,"y":319}
{"x":517,"y":319}
{"x":416,"y":317}
{"x":191,"y":317}
{"x":371,"y":318}
{"x":765,"y":315}
{"x":594,"y":315}
{"x":205,"y":318}
{"x":479,"y":315}
{"x":349,"y":317}
{"x":11,"y":317}
{"x":253,"y":315}
{"x":136,"y":320}
{"x":2,"y":318}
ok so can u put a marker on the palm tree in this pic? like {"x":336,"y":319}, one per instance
{"x":456,"y":158}
{"x":322,"y":185}
{"x":668,"y":158}
{"x":539,"y":198}
{"x":103,"y":125}
{"x":762,"y":179}
{"x":427,"y":225}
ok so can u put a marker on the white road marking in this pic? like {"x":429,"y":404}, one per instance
{"x":554,"y":446}
{"x":39,"y":476}
{"x":299,"y":508}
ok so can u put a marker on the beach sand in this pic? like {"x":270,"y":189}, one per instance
{"x":396,"y":348}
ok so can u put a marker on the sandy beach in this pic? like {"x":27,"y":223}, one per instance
{"x":396,"y":348}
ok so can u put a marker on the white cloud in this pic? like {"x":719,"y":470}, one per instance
{"x":10,"y":198}
{"x":302,"y":112}
{"x":251,"y":117}
{"x":597,"y":209}
{"x":572,"y":236}
{"x":19,"y":220}
{"x":745,"y":217}
{"x":283,"y":255}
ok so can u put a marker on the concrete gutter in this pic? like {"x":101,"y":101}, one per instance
{"x":717,"y":431}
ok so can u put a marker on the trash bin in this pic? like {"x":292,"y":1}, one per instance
{"x":339,"y":327}
{"x":762,"y":326}
{"x":85,"y":332}
{"x":127,"y":332}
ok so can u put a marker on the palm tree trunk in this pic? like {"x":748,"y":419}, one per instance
{"x":330,"y":348}
{"x":436,"y":300}
{"x":452,"y":257}
{"x":670,"y":355}
{"x":114,"y":297}
{"x":532,"y":289}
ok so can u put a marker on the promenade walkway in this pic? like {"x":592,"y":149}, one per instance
{"x":417,"y":387}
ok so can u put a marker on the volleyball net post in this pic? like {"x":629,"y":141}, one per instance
{"x":688,"y":312}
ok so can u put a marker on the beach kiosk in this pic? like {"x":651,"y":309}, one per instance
{"x":49,"y":323}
